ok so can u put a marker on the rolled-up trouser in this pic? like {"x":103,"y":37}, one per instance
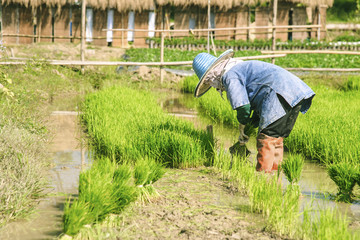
{"x":270,"y":140}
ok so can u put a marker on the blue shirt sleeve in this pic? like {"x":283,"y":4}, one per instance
{"x":236,"y":92}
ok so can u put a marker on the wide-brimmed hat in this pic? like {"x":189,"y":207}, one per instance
{"x":203,"y":63}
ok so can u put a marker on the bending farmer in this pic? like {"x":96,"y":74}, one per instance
{"x":275,"y":96}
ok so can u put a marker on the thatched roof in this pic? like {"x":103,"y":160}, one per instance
{"x":139,"y":5}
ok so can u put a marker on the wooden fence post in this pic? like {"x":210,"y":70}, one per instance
{"x":83,"y":26}
{"x":319,"y":23}
{"x":162,"y":57}
{"x":275,"y":3}
{"x":209,"y":26}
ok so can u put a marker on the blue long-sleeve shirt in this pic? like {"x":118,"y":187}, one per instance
{"x":257,"y":83}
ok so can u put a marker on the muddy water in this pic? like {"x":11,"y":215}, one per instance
{"x":316,"y":186}
{"x":46,"y":223}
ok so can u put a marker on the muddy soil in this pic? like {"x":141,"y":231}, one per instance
{"x":193,"y":205}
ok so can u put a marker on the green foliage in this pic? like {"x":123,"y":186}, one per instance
{"x":344,"y":175}
{"x":343,"y":11}
{"x":352,"y":83}
{"x":290,"y":61}
{"x":292,"y":167}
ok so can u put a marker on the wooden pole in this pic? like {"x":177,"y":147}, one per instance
{"x":1,"y":26}
{"x":17,"y":21}
{"x":274,"y":29}
{"x":83,"y":32}
{"x":122,"y":32}
{"x":319,"y":23}
{"x":39,"y":15}
{"x":248,"y":23}
{"x":209,"y":26}
{"x":162,"y":57}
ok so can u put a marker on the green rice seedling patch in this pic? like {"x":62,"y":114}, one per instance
{"x":328,"y":131}
{"x":188,"y":84}
{"x":352,"y":83}
{"x":290,"y":61}
{"x":126,"y":124}
{"x":327,"y":224}
{"x":281,"y":208}
{"x":344,"y":175}
{"x":107,"y":188}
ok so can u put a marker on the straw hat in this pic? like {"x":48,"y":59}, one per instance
{"x":203,"y":64}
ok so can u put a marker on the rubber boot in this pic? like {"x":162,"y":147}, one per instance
{"x":279,"y":152}
{"x":266,"y":152}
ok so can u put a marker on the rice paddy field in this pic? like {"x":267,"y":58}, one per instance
{"x":161,"y":174}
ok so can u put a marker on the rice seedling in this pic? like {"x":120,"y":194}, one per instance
{"x":328,"y":136}
{"x":324,"y":225}
{"x":291,"y":60}
{"x":352,"y":84}
{"x":344,"y":175}
{"x":121,"y":136}
{"x":357,"y":175}
{"x":76,"y":215}
{"x":292,"y":167}
{"x":188,"y":84}
{"x":146,"y":172}
{"x":105,"y":188}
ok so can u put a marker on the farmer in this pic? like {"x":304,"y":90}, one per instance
{"x":273,"y":95}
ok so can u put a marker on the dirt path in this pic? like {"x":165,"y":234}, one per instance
{"x":194,"y":205}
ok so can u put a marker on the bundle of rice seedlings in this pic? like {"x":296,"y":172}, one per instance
{"x":352,"y":84}
{"x":146,"y":172}
{"x":292,"y":167}
{"x":344,"y":175}
{"x":105,"y":188}
{"x":357,"y":175}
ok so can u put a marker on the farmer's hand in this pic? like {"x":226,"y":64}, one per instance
{"x":243,"y":138}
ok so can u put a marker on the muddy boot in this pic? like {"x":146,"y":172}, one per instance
{"x":266,"y":153}
{"x":279,"y":152}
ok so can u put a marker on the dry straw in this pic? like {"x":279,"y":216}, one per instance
{"x":140,"y":5}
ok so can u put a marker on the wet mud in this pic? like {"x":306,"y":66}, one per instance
{"x":193,"y":205}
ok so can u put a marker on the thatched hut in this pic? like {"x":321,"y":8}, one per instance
{"x":26,"y":21}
